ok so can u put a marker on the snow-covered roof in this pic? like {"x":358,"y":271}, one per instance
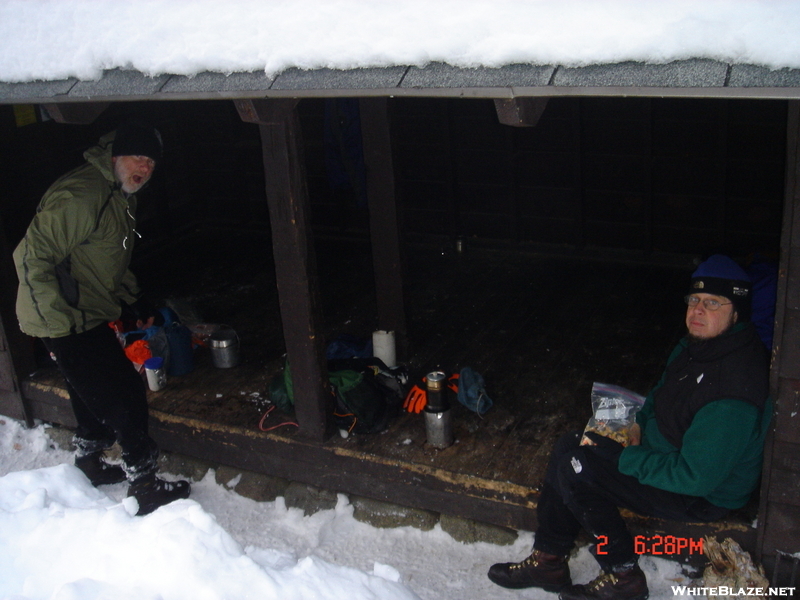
{"x":687,"y":78}
{"x":81,"y":50}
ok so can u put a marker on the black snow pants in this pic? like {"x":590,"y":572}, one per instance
{"x":108,"y":396}
{"x":583,"y":490}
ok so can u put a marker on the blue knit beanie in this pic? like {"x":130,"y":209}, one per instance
{"x":722,"y":276}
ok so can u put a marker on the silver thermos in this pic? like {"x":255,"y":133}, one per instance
{"x":438,"y":416}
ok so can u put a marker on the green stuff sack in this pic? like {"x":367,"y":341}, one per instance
{"x":281,"y":393}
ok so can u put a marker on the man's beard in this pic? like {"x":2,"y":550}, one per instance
{"x":693,"y":339}
{"x":125,"y":177}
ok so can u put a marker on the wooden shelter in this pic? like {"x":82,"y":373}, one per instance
{"x":549,"y":200}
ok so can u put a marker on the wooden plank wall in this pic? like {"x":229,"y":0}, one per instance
{"x":611,"y":172}
{"x":674,"y":175}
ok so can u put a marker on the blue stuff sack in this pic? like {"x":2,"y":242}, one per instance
{"x":346,"y":346}
{"x":180,"y":349}
{"x":471,"y":391}
{"x":179,"y":340}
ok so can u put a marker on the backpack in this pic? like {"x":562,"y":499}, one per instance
{"x":368,"y":394}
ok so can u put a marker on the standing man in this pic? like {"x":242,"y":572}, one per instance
{"x":696,"y":455}
{"x":73,"y":274}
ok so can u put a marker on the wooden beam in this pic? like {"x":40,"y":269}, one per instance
{"x":265,"y":112}
{"x":295,"y":259}
{"x":520,"y":112}
{"x":76,"y":113}
{"x":350,"y":471}
{"x":399,"y":481}
{"x":387,"y":255}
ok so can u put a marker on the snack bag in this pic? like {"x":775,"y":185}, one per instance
{"x":614,"y":411}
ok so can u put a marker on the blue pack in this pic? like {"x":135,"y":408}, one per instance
{"x":472,"y":391}
{"x":346,"y":346}
{"x":764,"y":275}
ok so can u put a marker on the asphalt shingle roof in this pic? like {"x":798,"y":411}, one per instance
{"x":695,"y":77}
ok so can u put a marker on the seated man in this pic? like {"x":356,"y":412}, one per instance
{"x":698,"y":454}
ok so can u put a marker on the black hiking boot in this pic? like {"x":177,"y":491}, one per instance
{"x":629,"y":584}
{"x":98,"y":470}
{"x":152,"y":492}
{"x":546,"y":571}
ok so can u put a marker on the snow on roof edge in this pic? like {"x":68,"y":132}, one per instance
{"x":691,"y":78}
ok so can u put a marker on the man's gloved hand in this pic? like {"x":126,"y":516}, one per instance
{"x":140,"y":315}
{"x":604,"y":446}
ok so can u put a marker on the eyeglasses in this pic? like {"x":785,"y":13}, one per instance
{"x":709,"y":303}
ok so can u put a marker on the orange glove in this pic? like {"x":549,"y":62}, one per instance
{"x":452,"y":382}
{"x":417,"y":397}
{"x":416,"y":400}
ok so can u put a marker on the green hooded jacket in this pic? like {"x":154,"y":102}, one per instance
{"x":73,"y":262}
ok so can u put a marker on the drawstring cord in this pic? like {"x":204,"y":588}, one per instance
{"x":139,"y":235}
{"x":266,"y":414}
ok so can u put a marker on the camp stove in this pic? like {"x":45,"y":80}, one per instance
{"x":438,"y":416}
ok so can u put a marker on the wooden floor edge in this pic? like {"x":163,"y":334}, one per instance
{"x":512,"y":491}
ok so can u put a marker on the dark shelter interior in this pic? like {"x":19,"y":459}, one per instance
{"x":546,"y":258}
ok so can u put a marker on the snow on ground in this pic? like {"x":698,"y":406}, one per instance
{"x":62,"y":539}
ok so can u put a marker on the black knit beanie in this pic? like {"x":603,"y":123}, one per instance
{"x":137,"y":139}
{"x":722,"y":276}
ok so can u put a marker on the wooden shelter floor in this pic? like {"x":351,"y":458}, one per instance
{"x":540,"y":327}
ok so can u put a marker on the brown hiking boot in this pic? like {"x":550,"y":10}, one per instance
{"x":630,"y":584}
{"x":546,"y":571}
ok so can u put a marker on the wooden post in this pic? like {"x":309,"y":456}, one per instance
{"x":779,"y":510}
{"x":16,"y":349}
{"x":295,"y":259}
{"x":384,"y":220}
{"x":12,"y":402}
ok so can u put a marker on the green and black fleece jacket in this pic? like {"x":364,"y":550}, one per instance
{"x":705,"y":422}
